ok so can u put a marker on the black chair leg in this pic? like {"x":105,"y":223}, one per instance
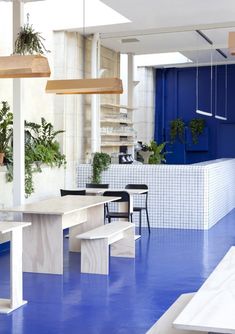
{"x":147,"y":215}
{"x":109,"y":220}
{"x":131,"y":217}
{"x":140,"y":222}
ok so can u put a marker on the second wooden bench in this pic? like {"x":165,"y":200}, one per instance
{"x":95,"y":246}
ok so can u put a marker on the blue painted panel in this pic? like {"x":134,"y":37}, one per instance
{"x":5,"y":247}
{"x":177,"y":99}
{"x":202,"y":145}
{"x":225,"y":149}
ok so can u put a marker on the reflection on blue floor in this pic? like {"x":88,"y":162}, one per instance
{"x":131,"y":298}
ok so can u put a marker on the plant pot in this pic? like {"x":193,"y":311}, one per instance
{"x":145,"y":155}
{"x":2,"y":155}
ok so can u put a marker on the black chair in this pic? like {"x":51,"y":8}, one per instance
{"x":125,"y":197}
{"x":97,"y":185}
{"x":64,"y":192}
{"x":141,"y":208}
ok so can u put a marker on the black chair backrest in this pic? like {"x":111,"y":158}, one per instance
{"x":125,"y":197}
{"x":97,"y":185}
{"x":136,"y":186}
{"x":139,"y":186}
{"x":64,"y":192}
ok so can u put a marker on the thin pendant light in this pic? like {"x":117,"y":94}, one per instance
{"x":85,"y":86}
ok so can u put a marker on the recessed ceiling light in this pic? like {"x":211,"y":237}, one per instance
{"x":130,"y":40}
{"x":161,"y":59}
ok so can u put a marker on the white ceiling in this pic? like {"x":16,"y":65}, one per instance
{"x":169,"y":25}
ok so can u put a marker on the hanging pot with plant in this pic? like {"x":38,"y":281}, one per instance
{"x":27,"y":60}
{"x":177,"y":130}
{"x":101,"y":162}
{"x":196,"y":127}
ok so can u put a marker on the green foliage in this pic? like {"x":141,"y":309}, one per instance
{"x":177,"y":130}
{"x":101,"y":162}
{"x":40,"y":148}
{"x":29,"y":42}
{"x":196,"y":127}
{"x":6,"y":121}
{"x":158,"y":154}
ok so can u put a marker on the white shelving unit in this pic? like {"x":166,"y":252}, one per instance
{"x":120,"y":118}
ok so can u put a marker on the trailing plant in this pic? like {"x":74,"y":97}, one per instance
{"x":6,"y":121}
{"x":177,"y":130}
{"x":29,"y":41}
{"x":101,"y":162}
{"x":158,"y":153}
{"x":40,"y":148}
{"x":196,"y":127}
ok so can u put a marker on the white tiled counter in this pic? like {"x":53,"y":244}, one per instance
{"x":180,"y":196}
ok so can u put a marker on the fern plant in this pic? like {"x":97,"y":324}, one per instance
{"x":177,"y":130}
{"x":29,"y":42}
{"x":196,"y":127}
{"x":101,"y":162}
{"x":6,"y":121}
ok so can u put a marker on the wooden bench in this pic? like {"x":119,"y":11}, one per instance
{"x":165,"y":324}
{"x":95,"y":246}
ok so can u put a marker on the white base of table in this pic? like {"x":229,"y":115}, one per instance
{"x":137,"y":236}
{"x":5,"y":306}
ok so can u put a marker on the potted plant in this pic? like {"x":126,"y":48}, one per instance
{"x":196,"y":127}
{"x":145,"y":153}
{"x":6,"y":121}
{"x":27,"y":60}
{"x":157,"y":153}
{"x":177,"y":130}
{"x":101,"y":162}
{"x":29,"y":42}
{"x":41,"y":147}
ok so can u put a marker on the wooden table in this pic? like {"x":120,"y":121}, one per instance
{"x":131,"y":192}
{"x":212,"y":309}
{"x":16,"y":290}
{"x":43,"y":241}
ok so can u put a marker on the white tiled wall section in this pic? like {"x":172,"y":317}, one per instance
{"x":180,"y":196}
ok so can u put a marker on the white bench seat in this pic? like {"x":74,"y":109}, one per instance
{"x":165,"y":324}
{"x":95,"y":246}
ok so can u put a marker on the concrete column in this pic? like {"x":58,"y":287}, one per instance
{"x":95,"y":98}
{"x":18,"y":121}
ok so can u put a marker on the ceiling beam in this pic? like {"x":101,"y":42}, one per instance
{"x":166,"y":30}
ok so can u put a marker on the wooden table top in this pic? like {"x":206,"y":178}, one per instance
{"x":61,"y":205}
{"x":212,"y":307}
{"x":102,"y":190}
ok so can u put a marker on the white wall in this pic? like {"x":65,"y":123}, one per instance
{"x":144,"y":117}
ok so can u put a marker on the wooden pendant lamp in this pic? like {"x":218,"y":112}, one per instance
{"x":231,"y":42}
{"x":85,"y":86}
{"x":19,"y":66}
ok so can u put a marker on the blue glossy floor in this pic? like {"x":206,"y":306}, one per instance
{"x":131,"y":298}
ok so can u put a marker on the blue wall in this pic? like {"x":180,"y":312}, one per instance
{"x":176,"y":98}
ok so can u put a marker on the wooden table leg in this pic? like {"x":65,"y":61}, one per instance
{"x":43,"y":244}
{"x":16,"y":278}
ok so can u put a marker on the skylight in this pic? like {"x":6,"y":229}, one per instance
{"x":68,"y":14}
{"x":161,"y":59}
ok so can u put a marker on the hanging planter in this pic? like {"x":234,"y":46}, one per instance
{"x":27,"y":61}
